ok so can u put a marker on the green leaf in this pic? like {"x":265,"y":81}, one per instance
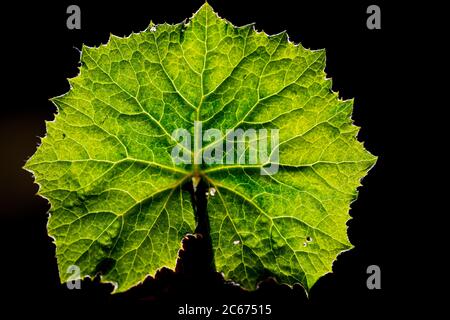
{"x":118,"y":205}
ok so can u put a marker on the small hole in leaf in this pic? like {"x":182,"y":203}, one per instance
{"x":105,"y":265}
{"x":309,"y":239}
{"x":305,"y":244}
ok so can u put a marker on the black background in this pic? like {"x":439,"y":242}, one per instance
{"x":41,"y":53}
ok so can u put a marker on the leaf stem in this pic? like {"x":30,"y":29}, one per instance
{"x":199,"y":200}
